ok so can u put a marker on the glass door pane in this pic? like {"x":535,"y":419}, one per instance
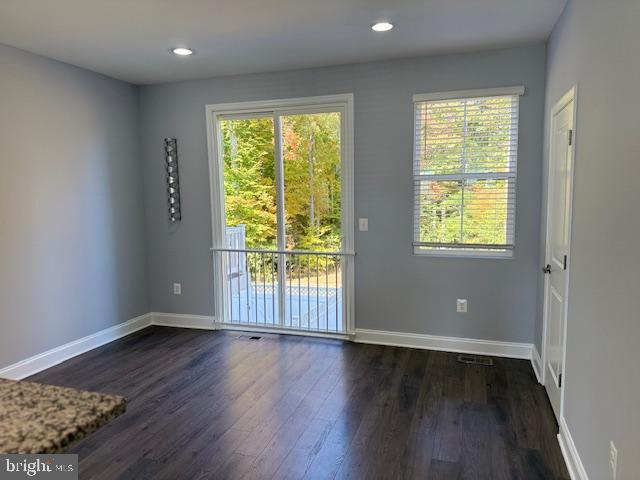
{"x":249,"y":181}
{"x":283,"y":220}
{"x":250,"y":210}
{"x":312,"y":183}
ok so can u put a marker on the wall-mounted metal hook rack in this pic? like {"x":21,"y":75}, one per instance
{"x":173,"y":180}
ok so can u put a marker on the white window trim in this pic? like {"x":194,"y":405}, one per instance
{"x":452,"y":252}
{"x":457,"y":94}
{"x":463,"y":253}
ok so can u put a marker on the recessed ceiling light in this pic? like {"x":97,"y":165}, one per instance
{"x":382,"y":27}
{"x":183,"y":52}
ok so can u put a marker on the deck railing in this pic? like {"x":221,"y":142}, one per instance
{"x":235,"y":238}
{"x":285,"y":289}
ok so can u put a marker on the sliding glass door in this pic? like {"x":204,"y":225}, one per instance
{"x":279,"y":187}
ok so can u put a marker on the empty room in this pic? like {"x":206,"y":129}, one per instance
{"x":297,"y":239}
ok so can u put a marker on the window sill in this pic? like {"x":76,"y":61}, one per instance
{"x":463,"y":253}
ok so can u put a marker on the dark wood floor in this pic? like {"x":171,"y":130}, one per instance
{"x":219,"y":405}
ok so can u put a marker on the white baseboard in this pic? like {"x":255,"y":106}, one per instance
{"x":42,"y":361}
{"x":570,"y":453}
{"x":203,"y":322}
{"x":536,"y":363}
{"x":37,"y":363}
{"x":446,"y":344}
{"x":431,"y":342}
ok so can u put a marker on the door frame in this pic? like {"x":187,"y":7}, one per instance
{"x":340,"y":102}
{"x":570,"y":96}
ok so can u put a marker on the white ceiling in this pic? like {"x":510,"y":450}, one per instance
{"x":130,"y":39}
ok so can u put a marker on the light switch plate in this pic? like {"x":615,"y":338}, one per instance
{"x":177,"y":289}
{"x":363,"y":224}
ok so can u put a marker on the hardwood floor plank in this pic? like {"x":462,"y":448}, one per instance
{"x":393,"y":431}
{"x":234,"y":468}
{"x":212,"y":404}
{"x":475,"y":384}
{"x":282,"y":441}
{"x":348,"y":419}
{"x":297,"y":462}
{"x":503,"y":441}
{"x":416,"y":459}
{"x":526,"y":422}
{"x":204,"y":456}
{"x":297,"y":403}
{"x":448,"y":435}
{"x":475,"y":459}
{"x":441,"y":470}
{"x":376,"y":418}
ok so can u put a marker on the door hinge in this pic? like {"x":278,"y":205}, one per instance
{"x":570,"y":137}
{"x":564,"y":263}
{"x":560,"y":380}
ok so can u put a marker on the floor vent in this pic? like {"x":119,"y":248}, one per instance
{"x":475,"y":360}
{"x":248,"y":337}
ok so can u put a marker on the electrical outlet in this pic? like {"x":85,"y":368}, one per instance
{"x":363,"y":224}
{"x":177,"y":289}
{"x":613,"y":459}
{"x":461,"y":305}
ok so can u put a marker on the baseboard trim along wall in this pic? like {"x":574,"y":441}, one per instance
{"x":35,"y":364}
{"x":446,"y":344}
{"x":44,"y":360}
{"x":202,"y":322}
{"x":536,"y":363}
{"x":570,"y":452}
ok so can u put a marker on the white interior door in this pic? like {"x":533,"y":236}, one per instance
{"x":558,"y":244}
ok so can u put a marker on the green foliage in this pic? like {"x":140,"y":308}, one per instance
{"x":249,"y":179}
{"x":311,"y":153}
{"x":311,"y":163}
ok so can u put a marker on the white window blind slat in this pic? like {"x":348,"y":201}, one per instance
{"x":465,"y":168}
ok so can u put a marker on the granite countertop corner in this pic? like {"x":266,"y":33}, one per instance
{"x":38,"y":418}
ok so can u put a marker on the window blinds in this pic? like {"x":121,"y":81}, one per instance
{"x":464,"y":168}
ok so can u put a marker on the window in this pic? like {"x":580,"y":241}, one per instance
{"x":464,"y":170}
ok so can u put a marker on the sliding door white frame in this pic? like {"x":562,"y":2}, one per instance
{"x":342,"y":103}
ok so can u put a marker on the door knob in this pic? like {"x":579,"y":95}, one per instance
{"x":546,"y":269}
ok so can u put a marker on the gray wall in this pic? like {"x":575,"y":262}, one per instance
{"x":72,"y":256}
{"x":394,"y":289}
{"x":595,"y":45}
